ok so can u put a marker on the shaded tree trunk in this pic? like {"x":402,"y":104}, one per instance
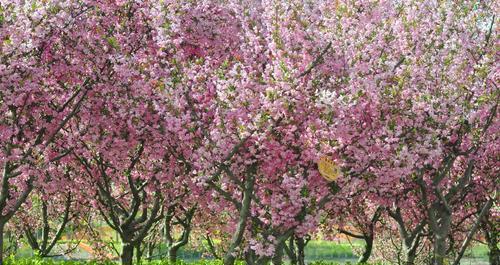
{"x":211,"y":247}
{"x":278,"y":255}
{"x":439,"y":248}
{"x":2,"y":226}
{"x":411,"y":252}
{"x":237,"y":238}
{"x":368,"y":234}
{"x":301,"y":250}
{"x":127,"y":254}
{"x":173,"y":246}
{"x":138,"y":254}
{"x":7,"y":213}
{"x":367,"y":252}
{"x":172,"y":254}
{"x":440,"y":219}
{"x":494,"y":252}
{"x":290,"y":251}
{"x":151,"y":247}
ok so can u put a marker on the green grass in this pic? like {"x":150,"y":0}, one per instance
{"x":37,"y":261}
{"x":321,"y":262}
{"x":320,"y":251}
{"x":477,"y":251}
{"x":34,"y":261}
{"x":200,"y":262}
{"x":323,"y":250}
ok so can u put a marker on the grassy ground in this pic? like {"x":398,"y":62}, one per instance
{"x":55,"y":262}
{"x":478,"y":251}
{"x":332,"y":251}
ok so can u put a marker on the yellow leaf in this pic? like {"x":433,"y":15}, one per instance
{"x":328,"y":169}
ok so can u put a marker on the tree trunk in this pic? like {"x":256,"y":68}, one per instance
{"x":211,"y":247}
{"x":290,"y":251}
{"x":139,"y":253}
{"x":278,"y":255}
{"x":440,"y":222}
{"x":411,"y":254}
{"x":410,"y":246}
{"x":250,"y":257}
{"x":440,"y":235}
{"x":2,"y":226}
{"x":439,"y":249}
{"x":367,"y":251}
{"x":410,"y":260}
{"x":172,"y":254}
{"x":150,"y":251}
{"x":237,"y":238}
{"x":494,"y":252}
{"x":301,"y":254}
{"x":127,"y":254}
{"x":410,"y":238}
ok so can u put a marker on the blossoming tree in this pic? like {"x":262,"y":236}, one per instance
{"x":418,"y":105}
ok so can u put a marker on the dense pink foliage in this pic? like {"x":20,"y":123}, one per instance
{"x":197,"y":103}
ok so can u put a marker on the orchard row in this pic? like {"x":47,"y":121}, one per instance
{"x":163,"y":118}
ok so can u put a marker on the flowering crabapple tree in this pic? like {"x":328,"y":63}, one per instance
{"x":49,"y":65}
{"x":417,"y":107}
{"x":126,"y":181}
{"x":244,"y":102}
{"x":121,"y":129}
{"x":158,"y":108}
{"x":120,"y":152}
